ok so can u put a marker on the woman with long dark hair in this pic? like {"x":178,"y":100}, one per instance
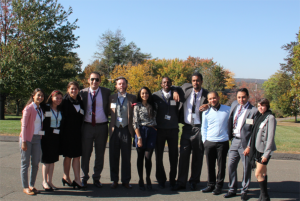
{"x":70,"y":142}
{"x":262,"y":145}
{"x":50,"y":141}
{"x":144,"y":120}
{"x":30,"y":139}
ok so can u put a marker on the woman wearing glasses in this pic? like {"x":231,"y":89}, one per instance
{"x":30,"y":140}
{"x":71,"y":148}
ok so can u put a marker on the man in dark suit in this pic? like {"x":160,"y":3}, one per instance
{"x":95,"y":129}
{"x":192,"y":97}
{"x":167,"y":131}
{"x":240,"y":124}
{"x":120,"y":132}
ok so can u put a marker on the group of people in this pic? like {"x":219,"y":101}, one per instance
{"x":71,"y":125}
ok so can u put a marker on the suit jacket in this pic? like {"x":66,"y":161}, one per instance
{"x":265,"y":142}
{"x":246,"y":129}
{"x":130,"y":100}
{"x":84,"y":93}
{"x":184,"y":91}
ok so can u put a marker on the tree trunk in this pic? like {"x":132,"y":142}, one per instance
{"x":17,"y":107}
{"x":296,"y":118}
{"x":2,"y":104}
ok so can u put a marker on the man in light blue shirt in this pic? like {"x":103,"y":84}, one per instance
{"x":215,"y":139}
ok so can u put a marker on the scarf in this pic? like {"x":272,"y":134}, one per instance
{"x":253,"y":152}
{"x":74,"y":102}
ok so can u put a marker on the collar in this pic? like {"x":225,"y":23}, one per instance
{"x":34,"y":105}
{"x":122,"y":95}
{"x":91,"y":90}
{"x":216,"y":108}
{"x":165,"y":93}
{"x":200,"y":92}
{"x":246,"y":105}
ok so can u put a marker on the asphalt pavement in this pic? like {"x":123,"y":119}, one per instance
{"x":283,"y":176}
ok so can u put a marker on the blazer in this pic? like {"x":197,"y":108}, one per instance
{"x":27,"y":123}
{"x":130,"y":100}
{"x":265,"y":142}
{"x":184,"y":91}
{"x":84,"y":93}
{"x":246,"y":129}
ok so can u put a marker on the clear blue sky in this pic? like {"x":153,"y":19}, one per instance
{"x":243,"y":36}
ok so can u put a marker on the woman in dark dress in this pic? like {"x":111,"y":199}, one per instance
{"x":50,"y":141}
{"x":71,"y":148}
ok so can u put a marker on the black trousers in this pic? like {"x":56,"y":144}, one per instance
{"x":171,"y":137}
{"x":216,"y":151}
{"x":120,"y":140}
{"x":191,"y":142}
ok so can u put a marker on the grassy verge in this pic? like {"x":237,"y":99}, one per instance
{"x":11,"y":125}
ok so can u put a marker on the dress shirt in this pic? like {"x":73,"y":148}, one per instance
{"x":166,"y":94}
{"x":99,"y":110}
{"x":188,"y":108}
{"x":77,"y":107}
{"x":53,"y":119}
{"x":38,"y":122}
{"x":240,"y":120}
{"x":121,"y":96}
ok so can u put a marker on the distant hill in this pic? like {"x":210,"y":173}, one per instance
{"x":258,"y":81}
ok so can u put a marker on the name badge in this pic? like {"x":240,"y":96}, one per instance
{"x":56,"y":131}
{"x":113,"y":105}
{"x":172,"y":102}
{"x":249,"y":121}
{"x":119,"y":119}
{"x":193,"y":115}
{"x":48,"y":114}
{"x":167,"y":117}
{"x":91,"y":113}
{"x":82,"y":111}
{"x":41,"y":132}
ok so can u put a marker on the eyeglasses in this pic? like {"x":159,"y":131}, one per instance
{"x":96,"y":79}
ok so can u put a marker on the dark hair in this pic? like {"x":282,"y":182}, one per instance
{"x":119,"y":78}
{"x":265,"y":102}
{"x":166,"y":78}
{"x":33,"y":94}
{"x":72,"y":83}
{"x":213,"y":92}
{"x":151,"y":106}
{"x":54,"y":93}
{"x":243,"y":90}
{"x":95,"y":72}
{"x":198,"y":74}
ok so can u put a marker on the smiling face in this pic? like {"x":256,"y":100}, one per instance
{"x":166,"y":84}
{"x":73,"y":91}
{"x":94,"y":81}
{"x":144,"y":95}
{"x":38,"y":97}
{"x":121,"y":86}
{"x":262,"y":108}
{"x":242,"y":97}
{"x":197,"y":83}
{"x":56,"y":99}
{"x":213,"y":99}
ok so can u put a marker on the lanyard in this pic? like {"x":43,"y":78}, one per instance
{"x":168,"y":102}
{"x":56,"y":117}
{"x":40,"y":115}
{"x":94,"y":98}
{"x":121,"y":104}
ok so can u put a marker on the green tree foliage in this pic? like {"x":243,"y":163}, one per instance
{"x":114,"y":51}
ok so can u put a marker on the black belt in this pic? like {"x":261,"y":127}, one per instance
{"x":193,"y":125}
{"x":237,"y":138}
{"x":121,"y":126}
{"x":97,"y":123}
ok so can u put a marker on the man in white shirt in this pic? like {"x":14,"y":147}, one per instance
{"x":95,"y":128}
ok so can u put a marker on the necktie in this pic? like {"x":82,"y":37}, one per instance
{"x":94,"y":110}
{"x":167,"y":96}
{"x":236,"y":118}
{"x":194,"y":107}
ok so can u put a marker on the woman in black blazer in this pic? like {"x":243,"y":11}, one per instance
{"x":50,"y":141}
{"x":70,"y":146}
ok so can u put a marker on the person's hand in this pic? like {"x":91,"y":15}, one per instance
{"x":263,"y":159}
{"x":176,"y":96}
{"x":246,"y":151}
{"x":140,"y":143}
{"x":203,"y":107}
{"x":24,"y":146}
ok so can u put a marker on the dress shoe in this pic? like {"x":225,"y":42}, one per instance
{"x":127,"y":185}
{"x":193,"y":186}
{"x":76,"y":185}
{"x":217,"y":191}
{"x":178,"y":187}
{"x":65,"y":182}
{"x":47,"y":189}
{"x":114,"y":185}
{"x":161,"y":185}
{"x":28,"y":191}
{"x":208,"y":189}
{"x":244,"y":196}
{"x":229,"y":195}
{"x":33,"y":190}
{"x":83,"y":183}
{"x":97,"y":183}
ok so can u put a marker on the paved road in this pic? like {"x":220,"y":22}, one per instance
{"x":284,"y":177}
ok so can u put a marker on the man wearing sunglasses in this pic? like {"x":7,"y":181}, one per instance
{"x":95,"y":127}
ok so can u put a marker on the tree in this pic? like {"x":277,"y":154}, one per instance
{"x":295,"y":84}
{"x":289,"y":47}
{"x":36,"y":50}
{"x":255,"y":91}
{"x":114,"y":51}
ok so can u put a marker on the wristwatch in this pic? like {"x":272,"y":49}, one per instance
{"x":139,"y":137}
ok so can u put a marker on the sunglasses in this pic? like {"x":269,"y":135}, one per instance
{"x":96,"y":79}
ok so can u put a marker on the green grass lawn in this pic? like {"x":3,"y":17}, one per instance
{"x":287,"y":138}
